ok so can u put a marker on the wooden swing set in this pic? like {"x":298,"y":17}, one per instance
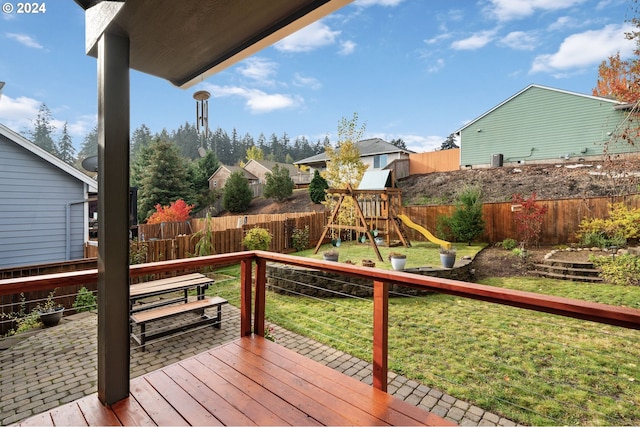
{"x":372,"y":208}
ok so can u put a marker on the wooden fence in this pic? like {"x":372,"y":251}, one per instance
{"x":434,"y":161}
{"x":560,"y":223}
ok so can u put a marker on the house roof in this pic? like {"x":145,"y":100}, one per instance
{"x":48,"y":157}
{"x":611,"y":101}
{"x":186,"y":42}
{"x":269,"y":165}
{"x":367,"y":147}
{"x":233,"y":169}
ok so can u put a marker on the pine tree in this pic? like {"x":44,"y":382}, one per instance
{"x":164,"y":180}
{"x":66,"y":151}
{"x":140,"y":139}
{"x":279,"y":185}
{"x":237,"y":194}
{"x":466,"y":223}
{"x":449,"y":143}
{"x":317,"y":188}
{"x":42,"y":130}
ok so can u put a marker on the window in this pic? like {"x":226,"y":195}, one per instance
{"x":380,"y":161}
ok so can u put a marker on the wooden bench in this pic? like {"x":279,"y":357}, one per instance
{"x":141,"y":318}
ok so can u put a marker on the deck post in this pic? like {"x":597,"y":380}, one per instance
{"x":245,"y":297}
{"x":113,"y":218}
{"x":261,"y":282}
{"x":380,"y":334}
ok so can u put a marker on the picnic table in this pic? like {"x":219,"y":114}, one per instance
{"x":173,"y":293}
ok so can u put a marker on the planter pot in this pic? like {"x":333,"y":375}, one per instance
{"x":448,"y":260}
{"x":330,"y":257}
{"x":398,"y":263}
{"x":51,"y":318}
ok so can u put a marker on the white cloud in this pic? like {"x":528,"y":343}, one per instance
{"x":311,"y":37}
{"x":347,"y":48}
{"x":507,"y":10}
{"x":584,"y":49}
{"x":519,"y":40}
{"x":17,"y":113}
{"x":25,"y":40}
{"x":476,"y":41}
{"x":309,"y":82}
{"x":256,"y":100}
{"x":436,"y":66}
{"x":438,"y":38}
{"x":417,"y":143}
{"x":258,"y":69}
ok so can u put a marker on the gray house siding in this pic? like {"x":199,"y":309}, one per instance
{"x":38,"y":222}
{"x":540,"y":124}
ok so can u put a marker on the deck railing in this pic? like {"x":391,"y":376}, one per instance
{"x":253,"y":278}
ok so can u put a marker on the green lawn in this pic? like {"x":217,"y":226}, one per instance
{"x":533,"y":368}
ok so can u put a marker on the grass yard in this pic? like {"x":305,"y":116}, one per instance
{"x":533,"y":368}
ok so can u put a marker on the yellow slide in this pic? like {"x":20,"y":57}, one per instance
{"x":420,"y":229}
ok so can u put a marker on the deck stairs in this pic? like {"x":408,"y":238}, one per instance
{"x":578,"y":271}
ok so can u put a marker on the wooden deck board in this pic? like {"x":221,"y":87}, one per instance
{"x":250,"y":381}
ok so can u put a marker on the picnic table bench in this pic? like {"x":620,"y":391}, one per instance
{"x":143,"y":312}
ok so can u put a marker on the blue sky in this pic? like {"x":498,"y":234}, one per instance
{"x":411,"y":69}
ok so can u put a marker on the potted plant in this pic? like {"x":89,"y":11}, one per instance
{"x":398,"y":260}
{"x":330,"y":255}
{"x":447,"y":257}
{"x":50,"y":313}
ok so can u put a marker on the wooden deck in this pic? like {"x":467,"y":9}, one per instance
{"x":251,"y":381}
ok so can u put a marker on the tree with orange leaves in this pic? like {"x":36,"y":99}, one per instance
{"x":177,"y":211}
{"x":618,"y":79}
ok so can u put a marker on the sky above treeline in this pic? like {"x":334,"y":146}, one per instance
{"x":412,"y":69}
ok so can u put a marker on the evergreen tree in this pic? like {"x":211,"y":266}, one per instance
{"x":449,"y":143}
{"x":199,"y":173}
{"x":279,"y":185}
{"x":399,"y":143}
{"x":66,"y":151}
{"x":42,"y":130}
{"x":317,"y":188}
{"x":188,"y":141}
{"x":88,"y":148}
{"x":140,"y":139}
{"x":164,"y":180}
{"x":466,"y":223}
{"x":237,"y":193}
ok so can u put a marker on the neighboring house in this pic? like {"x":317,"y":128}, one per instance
{"x":260,"y":168}
{"x":540,"y":125}
{"x":44,"y":214}
{"x":376,"y":153}
{"x":222,"y":174}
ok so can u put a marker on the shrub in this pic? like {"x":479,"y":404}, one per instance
{"x":508,"y":244}
{"x":529,"y":219}
{"x":300,"y":238}
{"x":257,"y":239}
{"x":204,"y":245}
{"x":279,"y":185}
{"x":466,"y":222}
{"x":619,"y":270}
{"x":85,"y":301}
{"x":623,"y":223}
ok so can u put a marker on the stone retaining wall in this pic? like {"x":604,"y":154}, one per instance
{"x":286,"y":279}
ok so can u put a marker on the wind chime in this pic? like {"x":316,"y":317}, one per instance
{"x":202,"y":118}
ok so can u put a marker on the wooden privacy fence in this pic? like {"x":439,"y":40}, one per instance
{"x":228,"y":233}
{"x":560,"y":223}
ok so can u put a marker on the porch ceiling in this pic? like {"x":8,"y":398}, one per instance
{"x":189,"y":40}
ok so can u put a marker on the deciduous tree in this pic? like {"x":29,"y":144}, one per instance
{"x":178,"y":211}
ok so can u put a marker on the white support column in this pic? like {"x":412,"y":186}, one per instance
{"x":113,"y":218}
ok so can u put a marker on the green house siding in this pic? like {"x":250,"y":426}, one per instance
{"x":540,"y":124}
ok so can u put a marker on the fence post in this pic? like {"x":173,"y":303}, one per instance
{"x":261,"y":281}
{"x":380,"y":334}
{"x":245,"y":297}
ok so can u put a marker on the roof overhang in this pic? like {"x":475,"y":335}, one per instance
{"x":187,"y":41}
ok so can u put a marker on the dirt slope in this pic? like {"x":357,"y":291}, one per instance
{"x":553,"y":181}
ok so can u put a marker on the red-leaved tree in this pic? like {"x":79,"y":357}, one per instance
{"x":177,"y":211}
{"x":529,"y":219}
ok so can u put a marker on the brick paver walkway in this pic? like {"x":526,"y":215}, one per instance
{"x":53,"y":366}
